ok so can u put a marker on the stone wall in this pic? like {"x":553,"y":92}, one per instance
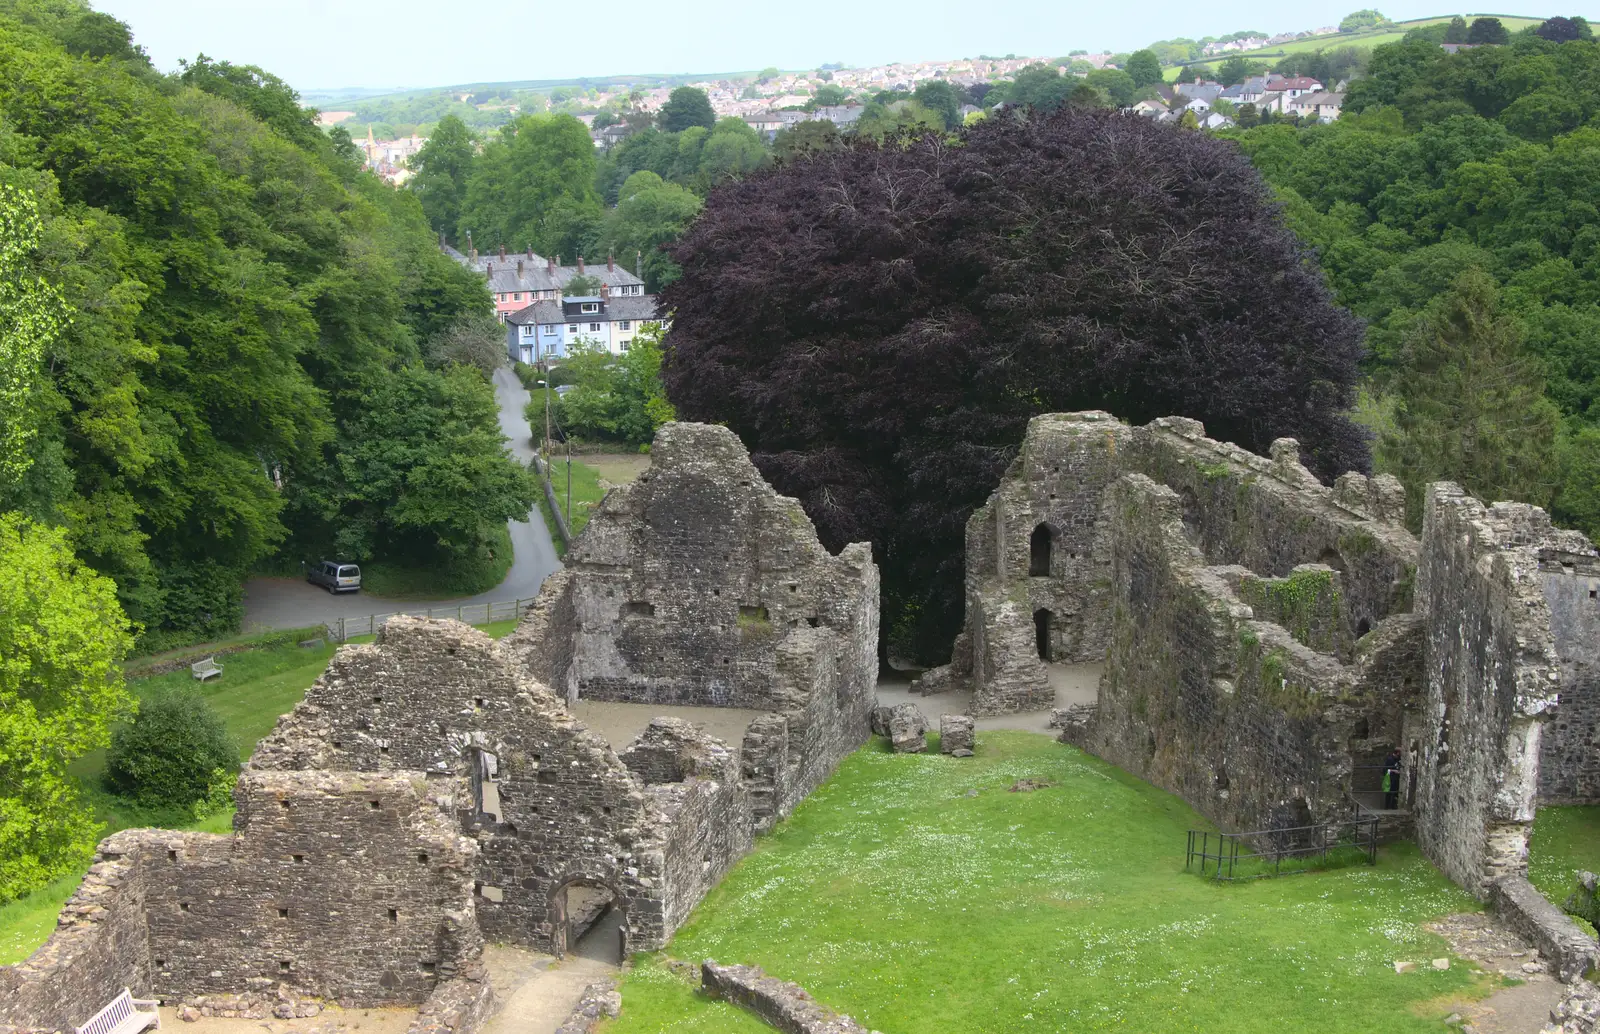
{"x":1039,"y":580}
{"x":783,"y":1005}
{"x":98,"y":948}
{"x":1201,"y":697}
{"x":1569,"y":747}
{"x":1492,"y":678}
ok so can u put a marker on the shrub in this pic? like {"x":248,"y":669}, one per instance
{"x":173,"y":753}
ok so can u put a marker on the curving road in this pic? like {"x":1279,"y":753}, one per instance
{"x":295,"y":603}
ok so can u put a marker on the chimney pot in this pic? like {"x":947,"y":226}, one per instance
{"x":550,"y":266}
{"x":519,"y":267}
{"x":611,"y":262}
{"x":489,"y":269}
{"x":580,"y":265}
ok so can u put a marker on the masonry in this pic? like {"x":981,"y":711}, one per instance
{"x":1269,"y":640}
{"x":434,"y":789}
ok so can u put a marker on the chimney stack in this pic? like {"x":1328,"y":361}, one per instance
{"x":502,"y":253}
{"x":550,"y":266}
{"x":605,"y":292}
{"x":519,"y":268}
{"x":488,"y":270}
{"x":611,"y":262}
{"x":530,"y":254}
{"x":580,"y":265}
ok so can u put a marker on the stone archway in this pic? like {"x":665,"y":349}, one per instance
{"x":1039,"y":544}
{"x":577,"y":905}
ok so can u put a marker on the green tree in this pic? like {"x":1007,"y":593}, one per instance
{"x":1237,"y":69}
{"x":941,"y":98}
{"x":519,"y":179}
{"x":650,"y":213}
{"x":687,"y":106}
{"x":1117,"y":86}
{"x":1488,"y":30}
{"x":1144,"y":67}
{"x":440,"y":172}
{"x":804,"y":139}
{"x":828,"y":96}
{"x":62,"y":636}
{"x":732,"y":150}
{"x":474,"y":339}
{"x":1456,"y":32}
{"x":1367,"y":18}
{"x":1470,"y":403}
{"x":32,"y":315}
{"x":264,"y":95}
{"x":581,"y":286}
{"x":1040,"y":86}
{"x":174,"y":753}
{"x":616,"y":398}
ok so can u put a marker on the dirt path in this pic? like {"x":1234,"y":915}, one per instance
{"x":1520,"y":1008}
{"x":537,"y":992}
{"x":1073,"y":684}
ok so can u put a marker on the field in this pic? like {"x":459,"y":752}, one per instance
{"x":1314,"y":43}
{"x":591,"y":475}
{"x":255,"y":688}
{"x":917,"y":894}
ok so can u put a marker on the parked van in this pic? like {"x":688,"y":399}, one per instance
{"x":336,"y":577}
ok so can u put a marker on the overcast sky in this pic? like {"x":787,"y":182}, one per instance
{"x":321,"y":44}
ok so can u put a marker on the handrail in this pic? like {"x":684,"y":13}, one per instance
{"x":1308,"y":843}
{"x":342,"y":628}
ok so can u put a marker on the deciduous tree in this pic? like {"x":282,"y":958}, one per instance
{"x":686,"y":107}
{"x":62,"y":636}
{"x":881,"y":357}
{"x":1144,"y":67}
{"x":440,"y":172}
{"x":1488,"y":30}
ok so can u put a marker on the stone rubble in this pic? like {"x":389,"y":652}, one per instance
{"x":908,"y":729}
{"x":957,"y":735}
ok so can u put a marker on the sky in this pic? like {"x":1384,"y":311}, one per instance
{"x":325,"y":44}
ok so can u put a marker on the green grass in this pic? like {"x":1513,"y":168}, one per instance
{"x":256,"y":686}
{"x":895,"y":896}
{"x":1564,"y":841}
{"x":586,"y":491}
{"x":450,"y":576}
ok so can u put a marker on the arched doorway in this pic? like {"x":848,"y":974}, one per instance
{"x":1041,"y":633}
{"x":586,"y":916}
{"x":1039,"y":552}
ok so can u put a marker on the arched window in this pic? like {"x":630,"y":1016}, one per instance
{"x":1041,"y":633}
{"x":1039,"y":552}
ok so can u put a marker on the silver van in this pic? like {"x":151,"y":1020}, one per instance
{"x":336,"y":577}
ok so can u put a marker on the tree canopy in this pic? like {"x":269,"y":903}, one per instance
{"x":686,"y":108}
{"x":1144,"y":67}
{"x":882,"y":357}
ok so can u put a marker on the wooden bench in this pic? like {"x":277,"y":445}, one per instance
{"x":125,"y":1015}
{"x":205,"y":669}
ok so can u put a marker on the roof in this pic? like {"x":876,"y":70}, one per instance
{"x":1321,"y":97}
{"x":549,"y":313}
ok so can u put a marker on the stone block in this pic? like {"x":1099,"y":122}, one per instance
{"x":908,"y":729}
{"x":957,"y":735}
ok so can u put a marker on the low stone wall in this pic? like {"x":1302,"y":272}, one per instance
{"x":599,"y":1001}
{"x":461,"y":1005}
{"x":1571,"y":952}
{"x":784,"y":1005}
{"x":99,"y":948}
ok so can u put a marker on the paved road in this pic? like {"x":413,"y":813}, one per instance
{"x":294,"y":603}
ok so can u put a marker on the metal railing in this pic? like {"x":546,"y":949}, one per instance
{"x":1279,"y":852}
{"x":341,"y":629}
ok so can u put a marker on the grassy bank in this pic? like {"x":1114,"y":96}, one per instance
{"x":590,"y":477}
{"x":919,"y":895}
{"x":256,"y":686}
{"x":1565,"y":840}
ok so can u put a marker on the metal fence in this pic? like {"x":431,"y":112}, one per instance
{"x":341,"y":629}
{"x":1279,"y":852}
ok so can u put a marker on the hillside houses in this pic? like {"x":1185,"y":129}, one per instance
{"x":549,"y":329}
{"x":518,"y":280}
{"x":1281,"y":95}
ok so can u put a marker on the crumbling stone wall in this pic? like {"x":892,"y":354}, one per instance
{"x":1492,"y":677}
{"x":98,"y":948}
{"x":1569,"y":746}
{"x":1039,"y":546}
{"x":698,"y":584}
{"x":1201,"y":697}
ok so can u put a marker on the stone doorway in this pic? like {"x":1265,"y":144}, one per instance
{"x":1041,"y":633}
{"x":580,"y":905}
{"x":1039,"y":552}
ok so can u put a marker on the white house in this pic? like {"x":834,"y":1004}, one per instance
{"x":550,"y":329}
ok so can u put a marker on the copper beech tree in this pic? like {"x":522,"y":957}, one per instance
{"x":878,"y":323}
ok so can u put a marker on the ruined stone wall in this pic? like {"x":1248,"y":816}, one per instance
{"x":1268,"y":515}
{"x":686,"y":581}
{"x":1271,"y":515}
{"x":1492,"y":676}
{"x":1232,"y":713}
{"x":98,"y":948}
{"x":1569,"y":747}
{"x":341,"y":885}
{"x":549,"y":802}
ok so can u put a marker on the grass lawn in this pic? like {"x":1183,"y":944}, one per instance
{"x":256,"y":686}
{"x":1564,"y":841}
{"x":586,"y":492}
{"x":619,"y":468}
{"x":917,"y":894}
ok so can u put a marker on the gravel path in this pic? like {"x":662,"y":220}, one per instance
{"x":295,"y":603}
{"x":538,"y":993}
{"x":1073,"y":683}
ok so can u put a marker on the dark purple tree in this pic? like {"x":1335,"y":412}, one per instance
{"x":1563,"y":30}
{"x":878,"y":324}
